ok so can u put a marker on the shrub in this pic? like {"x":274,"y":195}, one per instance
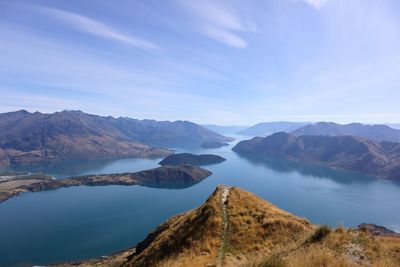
{"x":319,"y":234}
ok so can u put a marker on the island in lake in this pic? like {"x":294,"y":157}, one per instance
{"x":381,"y":159}
{"x":165,"y":176}
{"x":191,"y":159}
{"x":213,"y":144}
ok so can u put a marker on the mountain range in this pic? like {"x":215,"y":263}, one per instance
{"x":394,"y":125}
{"x":375,"y":132}
{"x":28,"y":138}
{"x":268,"y":128}
{"x":381,"y":159}
{"x":231,"y":129}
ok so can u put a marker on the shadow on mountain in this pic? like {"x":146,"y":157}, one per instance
{"x":314,"y":170}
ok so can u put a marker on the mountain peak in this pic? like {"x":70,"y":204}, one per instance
{"x":230,"y":219}
{"x":14,"y":114}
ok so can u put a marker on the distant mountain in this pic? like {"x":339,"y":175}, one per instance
{"x":187,"y":158}
{"x":268,"y":128}
{"x":234,"y":227}
{"x":374,"y":132}
{"x":225,"y":129}
{"x":393,"y":125}
{"x":27,"y":138}
{"x":352,"y":153}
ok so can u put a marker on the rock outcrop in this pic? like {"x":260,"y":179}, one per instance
{"x":377,"y":230}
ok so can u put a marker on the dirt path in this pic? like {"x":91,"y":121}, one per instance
{"x":225,"y":226}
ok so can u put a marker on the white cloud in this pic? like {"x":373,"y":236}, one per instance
{"x":224,"y":36}
{"x":216,"y":14}
{"x":316,"y":3}
{"x":218,"y":21}
{"x":97,"y":28}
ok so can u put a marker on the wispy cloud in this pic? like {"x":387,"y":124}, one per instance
{"x":317,"y":4}
{"x":218,"y":21}
{"x":94,"y":27}
{"x":225,"y":36}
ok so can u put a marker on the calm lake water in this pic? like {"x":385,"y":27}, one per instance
{"x":83,"y":222}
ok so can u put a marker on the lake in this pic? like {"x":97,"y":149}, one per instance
{"x":82,"y":222}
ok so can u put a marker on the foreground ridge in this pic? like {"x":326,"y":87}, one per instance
{"x":236,"y":228}
{"x":223,"y":246}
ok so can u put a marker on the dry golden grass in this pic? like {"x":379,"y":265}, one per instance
{"x":341,"y":247}
{"x":256,"y":225}
{"x":192,"y":237}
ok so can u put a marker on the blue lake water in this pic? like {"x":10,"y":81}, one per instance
{"x":83,"y":222}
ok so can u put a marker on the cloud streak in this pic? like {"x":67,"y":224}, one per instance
{"x":317,"y":4}
{"x":224,"y":36}
{"x":218,"y":22}
{"x":94,"y":27}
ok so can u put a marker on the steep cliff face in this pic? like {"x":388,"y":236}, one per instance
{"x":345,"y":152}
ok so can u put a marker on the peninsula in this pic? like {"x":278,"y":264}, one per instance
{"x":166,"y":176}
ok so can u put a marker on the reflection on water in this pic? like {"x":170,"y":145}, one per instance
{"x":83,"y":167}
{"x":315,"y":170}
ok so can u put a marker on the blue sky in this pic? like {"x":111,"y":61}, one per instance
{"x":224,"y":62}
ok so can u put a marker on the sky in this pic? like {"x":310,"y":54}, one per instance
{"x":207,"y":61}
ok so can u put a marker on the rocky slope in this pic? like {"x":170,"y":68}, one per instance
{"x":166,"y":177}
{"x":191,"y":159}
{"x":380,"y":159}
{"x":377,"y":230}
{"x":236,"y":228}
{"x":29,"y":138}
{"x":373,"y":132}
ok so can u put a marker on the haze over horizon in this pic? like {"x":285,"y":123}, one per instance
{"x":211,"y":62}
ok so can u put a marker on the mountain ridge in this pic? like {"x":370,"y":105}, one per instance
{"x":268,"y":128}
{"x":30,"y":138}
{"x":377,"y":132}
{"x":381,"y":159}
